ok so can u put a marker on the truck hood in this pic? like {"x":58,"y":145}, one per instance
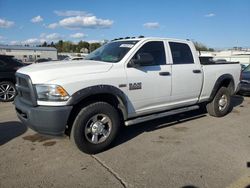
{"x":44,"y":72}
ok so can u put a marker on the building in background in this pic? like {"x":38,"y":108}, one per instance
{"x":242,"y":56}
{"x":29,"y":54}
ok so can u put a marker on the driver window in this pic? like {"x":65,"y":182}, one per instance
{"x":156,"y":50}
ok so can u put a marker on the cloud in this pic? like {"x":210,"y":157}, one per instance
{"x":31,"y":41}
{"x":68,"y":13}
{"x":94,"y":41}
{"x":6,"y":23}
{"x":14,"y":42}
{"x":43,"y":37}
{"x":78,"y":35}
{"x":79,"y":19}
{"x":151,"y":25}
{"x":52,"y":36}
{"x":2,"y":41}
{"x":210,"y":15}
{"x":37,"y":19}
{"x":53,"y":25}
{"x":78,"y":22}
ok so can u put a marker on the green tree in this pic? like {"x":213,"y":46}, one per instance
{"x":68,"y":46}
{"x":44,"y":44}
{"x":94,"y":46}
{"x":82,"y":44}
{"x":201,"y":47}
{"x":52,"y":44}
{"x":59,"y":46}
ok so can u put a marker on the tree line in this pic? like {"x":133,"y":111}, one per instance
{"x":86,"y":47}
{"x":68,"y":46}
{"x":202,"y":47}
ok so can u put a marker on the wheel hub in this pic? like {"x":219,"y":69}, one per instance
{"x":97,"y":127}
{"x":223,"y":102}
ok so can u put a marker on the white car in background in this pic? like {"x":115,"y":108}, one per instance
{"x":73,"y":58}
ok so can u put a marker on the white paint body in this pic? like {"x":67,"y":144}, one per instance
{"x":181,"y":88}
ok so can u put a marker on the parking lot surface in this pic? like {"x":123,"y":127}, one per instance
{"x":186,"y":150}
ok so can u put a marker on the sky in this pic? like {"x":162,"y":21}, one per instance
{"x":215,"y":23}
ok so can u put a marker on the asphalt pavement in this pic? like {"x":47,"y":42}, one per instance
{"x":185,"y":150}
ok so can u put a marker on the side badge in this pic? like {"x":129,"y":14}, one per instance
{"x":134,"y":86}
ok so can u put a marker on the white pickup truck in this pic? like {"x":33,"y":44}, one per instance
{"x":124,"y":82}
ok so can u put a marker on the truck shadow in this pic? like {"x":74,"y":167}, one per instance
{"x":128,"y":133}
{"x":10,"y":130}
{"x":236,"y":100}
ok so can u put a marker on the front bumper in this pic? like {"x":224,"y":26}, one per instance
{"x":48,"y":120}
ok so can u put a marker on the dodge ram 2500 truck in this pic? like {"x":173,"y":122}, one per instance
{"x":124,"y":82}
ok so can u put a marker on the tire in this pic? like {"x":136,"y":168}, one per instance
{"x":7,"y":91}
{"x":220,"y":105}
{"x":95,"y":127}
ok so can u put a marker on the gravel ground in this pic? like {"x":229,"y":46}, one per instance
{"x":186,"y":150}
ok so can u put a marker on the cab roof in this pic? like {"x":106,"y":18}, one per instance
{"x":149,"y":38}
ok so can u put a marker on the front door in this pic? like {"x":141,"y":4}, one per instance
{"x":149,"y":84}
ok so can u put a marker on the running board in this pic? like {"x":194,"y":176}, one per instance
{"x":160,"y":115}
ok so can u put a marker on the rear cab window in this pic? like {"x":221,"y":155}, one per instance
{"x":181,"y":53}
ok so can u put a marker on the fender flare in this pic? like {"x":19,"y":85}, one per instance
{"x":218,"y":83}
{"x":101,"y":89}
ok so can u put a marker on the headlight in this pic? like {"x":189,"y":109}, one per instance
{"x":51,"y":93}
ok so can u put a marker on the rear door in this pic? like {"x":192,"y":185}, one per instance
{"x":187,"y":76}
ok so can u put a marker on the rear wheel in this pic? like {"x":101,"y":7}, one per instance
{"x":7,"y":91}
{"x":220,"y":105}
{"x":95,"y":127}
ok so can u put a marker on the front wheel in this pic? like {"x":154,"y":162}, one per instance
{"x":95,"y":127}
{"x":220,"y":105}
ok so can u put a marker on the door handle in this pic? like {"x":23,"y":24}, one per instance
{"x":197,"y":71}
{"x":164,"y":73}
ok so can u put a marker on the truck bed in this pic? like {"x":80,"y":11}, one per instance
{"x":213,"y":72}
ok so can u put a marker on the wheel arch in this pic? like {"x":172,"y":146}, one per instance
{"x":104,"y":93}
{"x":225,"y":80}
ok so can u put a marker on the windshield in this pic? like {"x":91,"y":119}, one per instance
{"x":247,"y":69}
{"x":112,"y":52}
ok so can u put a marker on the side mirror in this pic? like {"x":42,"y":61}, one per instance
{"x":142,"y":59}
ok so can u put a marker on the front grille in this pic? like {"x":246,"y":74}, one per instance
{"x":25,"y":89}
{"x":23,"y":82}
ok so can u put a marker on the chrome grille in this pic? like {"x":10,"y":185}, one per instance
{"x":25,"y":89}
